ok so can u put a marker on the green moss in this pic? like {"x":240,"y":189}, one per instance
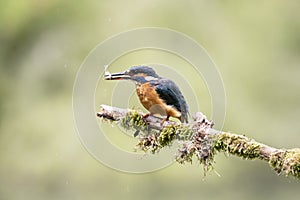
{"x":286,"y":161}
{"x":167,"y":135}
{"x":134,"y":121}
{"x":149,"y":144}
{"x":171,"y":132}
{"x":276,"y":160}
{"x":237,"y":145}
{"x":205,"y":146}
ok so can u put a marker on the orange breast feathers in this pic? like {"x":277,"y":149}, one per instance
{"x":153,"y":103}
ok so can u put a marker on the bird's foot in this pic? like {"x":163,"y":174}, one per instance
{"x":146,"y":116}
{"x":164,"y":120}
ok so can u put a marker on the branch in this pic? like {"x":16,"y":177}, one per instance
{"x":199,"y":139}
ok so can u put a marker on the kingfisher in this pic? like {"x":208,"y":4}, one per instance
{"x":157,"y":94}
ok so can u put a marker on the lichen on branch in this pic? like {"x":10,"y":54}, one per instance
{"x":198,"y":140}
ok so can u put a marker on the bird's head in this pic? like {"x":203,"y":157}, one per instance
{"x":140,"y":74}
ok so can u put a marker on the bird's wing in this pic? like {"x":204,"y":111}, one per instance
{"x":170,"y":93}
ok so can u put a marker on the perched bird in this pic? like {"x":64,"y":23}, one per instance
{"x":157,"y":94}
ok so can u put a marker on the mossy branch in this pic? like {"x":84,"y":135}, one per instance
{"x":198,"y":139}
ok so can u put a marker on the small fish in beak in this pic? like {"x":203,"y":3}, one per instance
{"x":115,"y":76}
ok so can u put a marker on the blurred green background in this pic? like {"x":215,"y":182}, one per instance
{"x":255,"y":44}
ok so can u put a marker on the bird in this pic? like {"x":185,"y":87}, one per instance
{"x":157,"y":94}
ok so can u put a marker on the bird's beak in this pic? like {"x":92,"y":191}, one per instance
{"x":116,"y":76}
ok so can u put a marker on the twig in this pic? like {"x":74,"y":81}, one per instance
{"x":199,"y":139}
